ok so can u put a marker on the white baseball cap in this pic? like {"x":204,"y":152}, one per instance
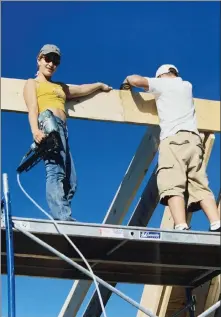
{"x":164,"y":69}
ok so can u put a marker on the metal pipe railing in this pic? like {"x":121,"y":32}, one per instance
{"x":210,"y":309}
{"x":9,"y":247}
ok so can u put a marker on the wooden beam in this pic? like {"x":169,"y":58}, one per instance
{"x":134,"y":176}
{"x":163,"y":304}
{"x":147,"y":203}
{"x":167,"y":298}
{"x":114,"y":106}
{"x":121,"y":202}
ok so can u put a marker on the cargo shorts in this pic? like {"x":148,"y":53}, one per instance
{"x":181,"y":170}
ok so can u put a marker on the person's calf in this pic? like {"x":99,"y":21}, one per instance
{"x":210,"y":208}
{"x":177,"y":209}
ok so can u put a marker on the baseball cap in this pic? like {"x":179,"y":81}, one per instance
{"x":50,"y":48}
{"x":164,"y":69}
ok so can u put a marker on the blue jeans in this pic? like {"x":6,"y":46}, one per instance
{"x":61,"y":180}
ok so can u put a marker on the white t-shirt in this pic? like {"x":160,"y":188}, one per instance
{"x":175,"y":105}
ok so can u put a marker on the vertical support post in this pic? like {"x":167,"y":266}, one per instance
{"x":189,"y":298}
{"x":9,"y":247}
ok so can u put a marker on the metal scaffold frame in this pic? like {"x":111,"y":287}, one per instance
{"x":11,"y":227}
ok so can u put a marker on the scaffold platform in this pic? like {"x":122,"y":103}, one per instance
{"x":117,"y":253}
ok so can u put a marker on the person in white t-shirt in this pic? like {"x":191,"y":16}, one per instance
{"x":181,"y":171}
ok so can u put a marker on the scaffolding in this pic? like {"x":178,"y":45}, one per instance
{"x":175,"y":286}
{"x":116,"y":253}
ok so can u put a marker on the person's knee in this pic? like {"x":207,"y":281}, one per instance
{"x":166,"y":197}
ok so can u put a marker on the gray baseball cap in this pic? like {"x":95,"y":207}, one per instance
{"x":50,"y":48}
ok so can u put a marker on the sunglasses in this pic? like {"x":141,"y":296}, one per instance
{"x":54,"y":58}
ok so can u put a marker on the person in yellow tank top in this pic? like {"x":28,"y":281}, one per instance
{"x":42,"y":93}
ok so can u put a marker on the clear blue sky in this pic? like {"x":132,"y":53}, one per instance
{"x":100,"y":42}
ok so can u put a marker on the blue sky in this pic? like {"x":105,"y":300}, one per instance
{"x":100,"y":42}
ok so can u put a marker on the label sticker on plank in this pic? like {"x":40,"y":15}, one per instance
{"x":111,"y":233}
{"x":150,"y":235}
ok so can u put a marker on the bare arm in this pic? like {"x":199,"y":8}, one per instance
{"x":30,"y":98}
{"x":137,"y":81}
{"x":84,"y":90}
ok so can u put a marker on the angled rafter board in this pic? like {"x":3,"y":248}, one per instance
{"x":168,"y":299}
{"x":114,"y":106}
{"x":133,"y":177}
{"x":174,"y":306}
{"x":140,"y":217}
{"x":147,"y":203}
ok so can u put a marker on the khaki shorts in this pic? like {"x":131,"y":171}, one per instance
{"x":181,"y":170}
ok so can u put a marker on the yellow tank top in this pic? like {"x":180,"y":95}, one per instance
{"x":50,"y":95}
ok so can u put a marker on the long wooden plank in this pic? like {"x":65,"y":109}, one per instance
{"x":166,"y":296}
{"x":214,"y":292}
{"x":114,"y":106}
{"x":147,"y":203}
{"x":121,"y":202}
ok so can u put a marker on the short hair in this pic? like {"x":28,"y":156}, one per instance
{"x":173,"y":71}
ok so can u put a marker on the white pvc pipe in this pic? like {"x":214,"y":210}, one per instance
{"x":210,"y":309}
